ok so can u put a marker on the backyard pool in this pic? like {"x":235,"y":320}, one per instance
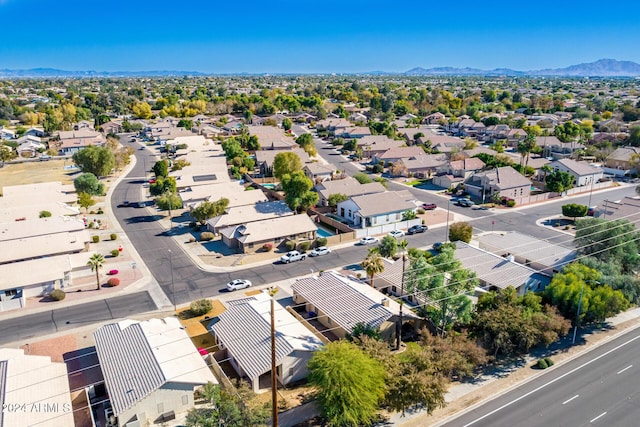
{"x":324,"y":232}
{"x":269,"y":186}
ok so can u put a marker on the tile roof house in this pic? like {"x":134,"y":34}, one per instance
{"x":375,"y":209}
{"x":377,"y":144}
{"x":333,"y":123}
{"x":272,"y":138}
{"x":33,"y":390}
{"x":582,"y":172}
{"x":545,"y":257}
{"x":505,"y":181}
{"x":75,"y":140}
{"x":151,"y":369}
{"x":251,"y":236}
{"x":348,"y":186}
{"x":464,"y":168}
{"x":233,"y":191}
{"x":339,"y":304}
{"x":622,"y":157}
{"x":352,"y":132}
{"x":496,"y":272}
{"x":397,"y":153}
{"x":243,"y":333}
{"x":424,"y":166}
{"x":318,"y":172}
{"x":265,"y":158}
{"x":553,"y":147}
{"x":249,"y":213}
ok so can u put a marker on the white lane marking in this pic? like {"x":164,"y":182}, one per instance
{"x":567,"y":401}
{"x":551,"y":382}
{"x":628,"y":367}
{"x":599,"y":416}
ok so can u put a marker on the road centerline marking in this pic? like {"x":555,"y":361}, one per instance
{"x":599,"y":416}
{"x":567,"y":401}
{"x":628,"y":367}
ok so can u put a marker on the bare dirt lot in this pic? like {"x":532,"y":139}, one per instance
{"x":36,"y":172}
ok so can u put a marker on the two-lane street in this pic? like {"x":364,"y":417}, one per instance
{"x":597,"y":388}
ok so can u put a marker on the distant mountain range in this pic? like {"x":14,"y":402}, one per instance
{"x":600,"y":68}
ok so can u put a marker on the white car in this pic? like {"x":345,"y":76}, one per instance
{"x":396,"y":233}
{"x":238,"y":284}
{"x":322,"y":250}
{"x":292,"y":256}
{"x":368,"y":240}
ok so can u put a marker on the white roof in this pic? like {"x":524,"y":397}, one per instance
{"x":40,"y":270}
{"x":41,"y":246}
{"x":39,"y":227}
{"x":233,"y":191}
{"x":33,"y":381}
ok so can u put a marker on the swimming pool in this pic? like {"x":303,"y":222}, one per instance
{"x":269,"y":186}
{"x":324,"y":232}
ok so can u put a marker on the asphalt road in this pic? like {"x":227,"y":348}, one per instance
{"x":599,"y":388}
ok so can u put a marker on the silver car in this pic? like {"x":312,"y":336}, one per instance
{"x":238,"y":284}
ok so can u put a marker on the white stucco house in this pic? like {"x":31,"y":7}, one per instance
{"x":375,"y":209}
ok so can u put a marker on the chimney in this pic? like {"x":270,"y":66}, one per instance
{"x":511,"y":258}
{"x":385,"y":302}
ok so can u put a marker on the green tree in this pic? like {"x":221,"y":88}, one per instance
{"x":85,"y":200}
{"x":372,"y":265}
{"x":297,"y":188}
{"x":615,"y":242}
{"x":574,"y":210}
{"x":350,"y":385}
{"x":163,"y":185}
{"x":336,"y":198}
{"x":286,"y":163}
{"x":96,"y":262}
{"x":409,"y":215}
{"x":460,"y":231}
{"x":161,"y":168}
{"x":96,"y":160}
{"x":567,"y":132}
{"x":168,"y":201}
{"x":559,"y":181}
{"x":286,"y":124}
{"x":185,"y":123}
{"x":88,"y":183}
{"x":362,"y":178}
{"x":233,"y":148}
{"x":362,"y":329}
{"x":525,"y":148}
{"x":388,"y":247}
{"x":207,"y":209}
{"x":306,"y":142}
{"x":44,"y":214}
{"x":141,"y":110}
{"x":634,"y":136}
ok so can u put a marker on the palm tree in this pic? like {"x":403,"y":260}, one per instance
{"x":525,"y":148}
{"x":373,"y":264}
{"x":96,"y":262}
{"x":546,"y":169}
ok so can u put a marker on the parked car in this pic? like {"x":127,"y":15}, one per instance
{"x":428,"y":206}
{"x":417,"y":229}
{"x":238,"y":284}
{"x":368,"y":240}
{"x":322,"y":250}
{"x":465,"y":203}
{"x":292,"y":256}
{"x":112,"y":272}
{"x":396,"y":233}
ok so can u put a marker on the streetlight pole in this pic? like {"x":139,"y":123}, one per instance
{"x":403,"y":244}
{"x":446,"y":237}
{"x":590,"y":193}
{"x":173,"y":286}
{"x":274,"y":376}
{"x":575,"y":328}
{"x":604,"y":214}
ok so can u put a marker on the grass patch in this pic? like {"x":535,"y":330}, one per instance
{"x":416,"y":182}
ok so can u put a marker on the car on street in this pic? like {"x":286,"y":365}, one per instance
{"x":139,"y":204}
{"x":415,"y":229}
{"x":292,"y":256}
{"x":465,"y":203}
{"x":238,"y":284}
{"x":428,"y":206}
{"x":396,"y":233}
{"x":368,"y":240}
{"x":322,"y":250}
{"x":141,"y":148}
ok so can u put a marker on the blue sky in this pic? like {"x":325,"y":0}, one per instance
{"x":312,"y":36}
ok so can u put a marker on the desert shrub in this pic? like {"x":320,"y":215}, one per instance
{"x":92,"y":212}
{"x":95,"y":239}
{"x":511,"y":203}
{"x":420,"y":211}
{"x":206,"y":236}
{"x":44,"y":214}
{"x":57,"y":295}
{"x":100,"y":211}
{"x":192,"y":239}
{"x":321,"y":241}
{"x":290,"y":245}
{"x":304,"y":246}
{"x":267,"y":247}
{"x":115,"y":253}
{"x":90,"y":224}
{"x":557,"y":224}
{"x":542,"y":364}
{"x":549,"y":361}
{"x":114,"y":236}
{"x":200,"y":307}
{"x":114,"y":281}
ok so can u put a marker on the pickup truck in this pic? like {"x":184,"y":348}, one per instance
{"x":292,"y":256}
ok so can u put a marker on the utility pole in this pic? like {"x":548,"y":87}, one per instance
{"x":575,"y":328}
{"x":446,"y":237}
{"x":274,"y":374}
{"x":173,"y":286}
{"x":403,"y":245}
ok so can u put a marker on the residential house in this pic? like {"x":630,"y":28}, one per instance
{"x":232,"y":191}
{"x":252,"y":236}
{"x":424,"y":166}
{"x":75,"y":140}
{"x":352,"y":132}
{"x":497,"y":273}
{"x":348,"y":186}
{"x":151,"y":370}
{"x":318,"y":172}
{"x":463,"y":168}
{"x":515,"y":136}
{"x":544,"y":257}
{"x":623,"y":158}
{"x":442,"y":143}
{"x":243,"y":333}
{"x":233,"y":126}
{"x":339,"y":304}
{"x":504,"y":182}
{"x":83,"y":124}
{"x":265,"y":158}
{"x":435,"y":119}
{"x":553,"y":147}
{"x":358,"y":117}
{"x":496,"y":133}
{"x":447,"y":181}
{"x":394,"y":154}
{"x":34,"y":391}
{"x":582,"y":172}
{"x":25,"y":202}
{"x":375,"y":209}
{"x":331,"y":124}
{"x":111,"y":127}
{"x":377,"y":144}
{"x":248,"y":213}
{"x":29,"y":145}
{"x":35,"y":132}
{"x":7,"y":133}
{"x":272,"y":138}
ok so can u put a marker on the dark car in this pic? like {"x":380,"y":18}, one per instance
{"x":428,"y":206}
{"x":417,"y":229}
{"x":139,"y":205}
{"x":465,"y":203}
